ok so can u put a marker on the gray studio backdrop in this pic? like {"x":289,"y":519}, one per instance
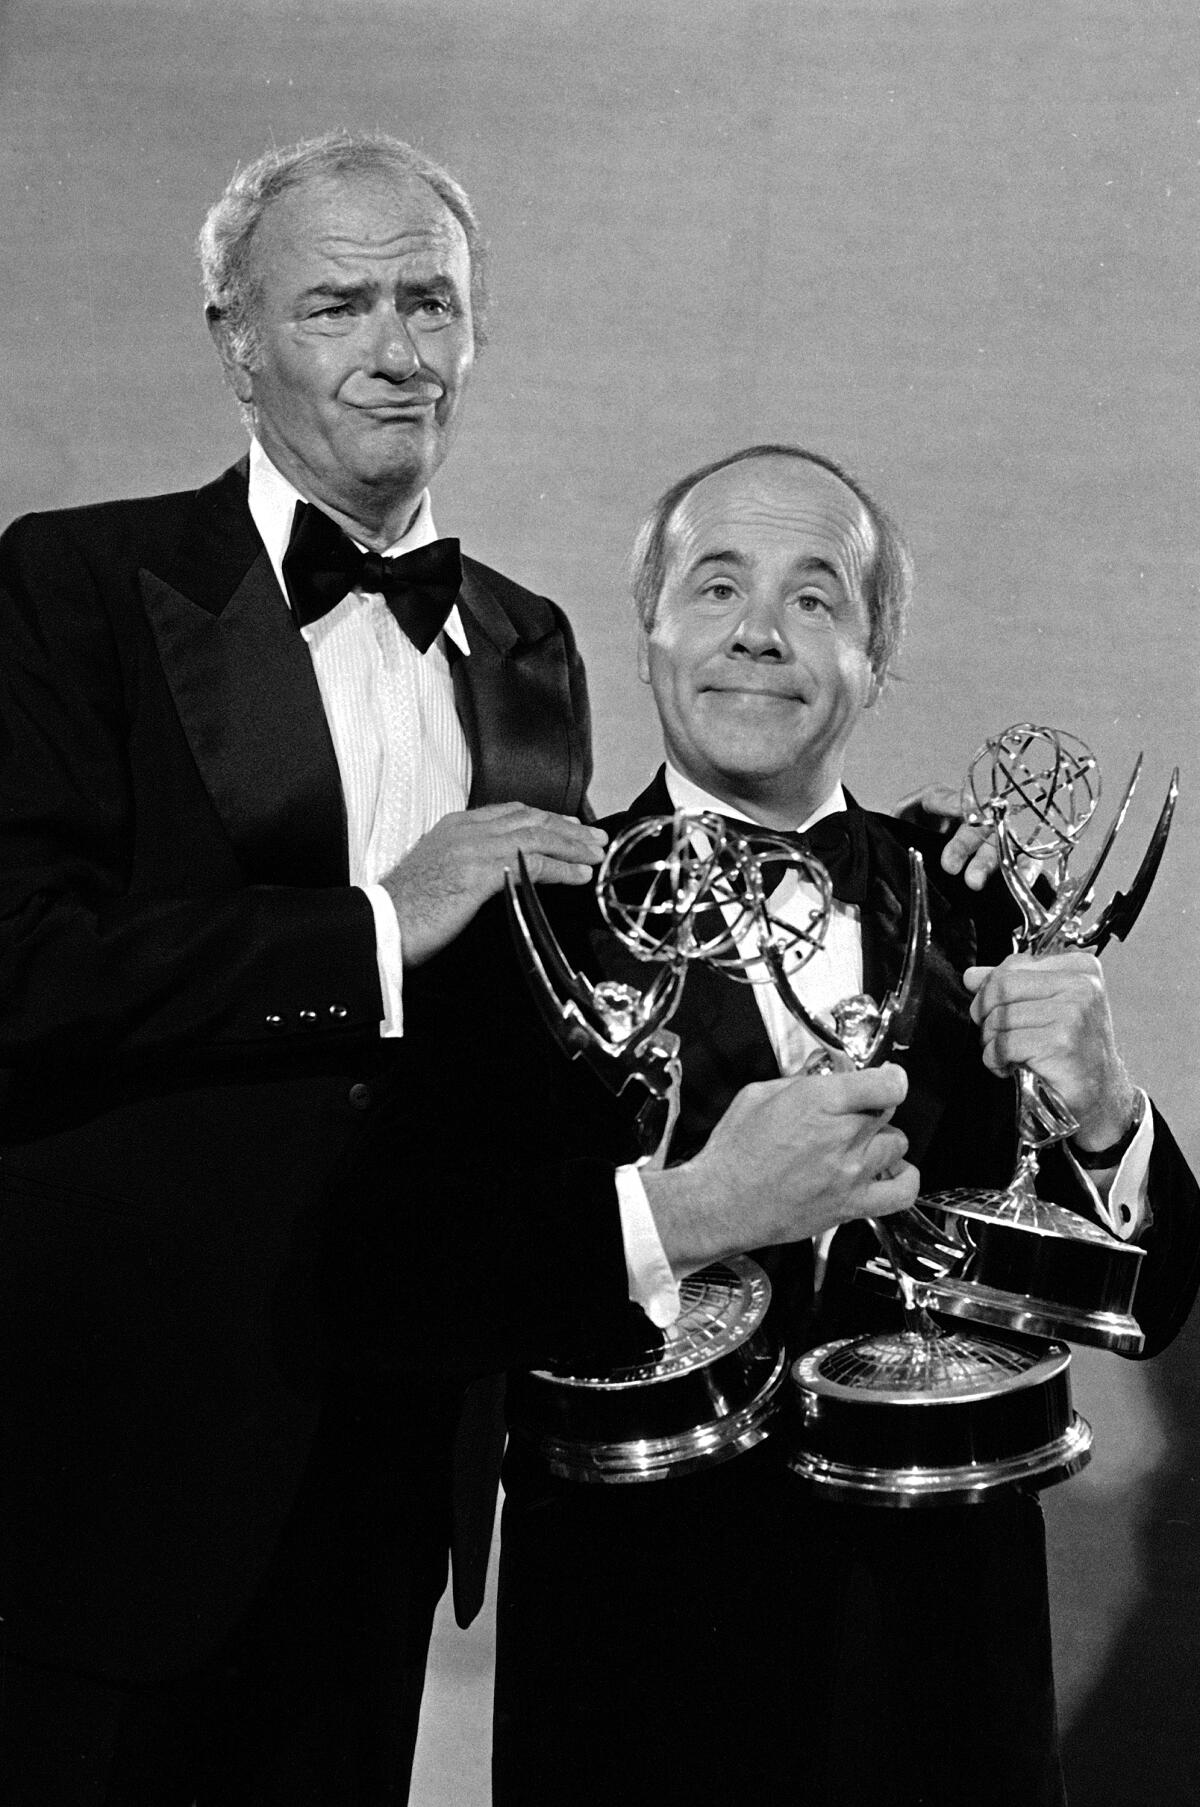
{"x":955,"y":244}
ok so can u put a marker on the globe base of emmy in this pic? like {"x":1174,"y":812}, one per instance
{"x":913,"y":1418}
{"x":1027,"y":1264}
{"x":699,"y":1394}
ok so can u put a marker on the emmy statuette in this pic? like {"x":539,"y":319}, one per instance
{"x":674,"y":891}
{"x":1010,"y":1258}
{"x":920,"y":1415}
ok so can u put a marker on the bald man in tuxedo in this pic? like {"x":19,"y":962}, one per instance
{"x":723,"y":1632}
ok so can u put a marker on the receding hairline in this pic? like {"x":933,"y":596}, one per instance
{"x":391,"y":181}
{"x":783,"y":458}
{"x":227,"y":243}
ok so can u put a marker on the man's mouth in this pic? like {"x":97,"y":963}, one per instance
{"x":398,"y":407}
{"x":755,"y":692}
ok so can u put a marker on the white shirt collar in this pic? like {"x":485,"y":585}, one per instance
{"x":273,"y":502}
{"x":684,"y":794}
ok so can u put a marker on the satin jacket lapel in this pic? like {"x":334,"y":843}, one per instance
{"x":655,"y":800}
{"x":247,"y":696}
{"x":508,"y":692}
{"x":944,"y":1035}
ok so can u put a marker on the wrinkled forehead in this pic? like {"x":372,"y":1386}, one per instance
{"x":772,"y":511}
{"x":365,"y":220}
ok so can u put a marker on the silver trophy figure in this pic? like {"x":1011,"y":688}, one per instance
{"x":911,"y":1416}
{"x":920,"y":1415}
{"x":674,"y":891}
{"x":1009,"y":1257}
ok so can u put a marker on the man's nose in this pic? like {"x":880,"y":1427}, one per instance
{"x":759,"y":634}
{"x":393,"y":351}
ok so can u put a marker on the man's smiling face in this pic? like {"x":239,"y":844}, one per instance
{"x":757,"y":654}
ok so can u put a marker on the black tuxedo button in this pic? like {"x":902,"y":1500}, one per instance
{"x":359,"y":1097}
{"x":308,"y":1019}
{"x":274,"y":1020}
{"x":339,"y":1012}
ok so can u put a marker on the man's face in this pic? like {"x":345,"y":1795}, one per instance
{"x":758,"y":652}
{"x":365,"y":338}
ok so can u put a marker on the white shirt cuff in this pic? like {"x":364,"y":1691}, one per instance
{"x":1126,"y":1210}
{"x":652,"y":1285}
{"x":387,"y":955}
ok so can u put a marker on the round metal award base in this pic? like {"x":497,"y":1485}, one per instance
{"x":906,"y":1418}
{"x":706,"y":1393}
{"x":1032,"y":1266}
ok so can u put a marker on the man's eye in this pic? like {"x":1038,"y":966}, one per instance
{"x":332,"y":310}
{"x":811,"y":602}
{"x":719,"y":590}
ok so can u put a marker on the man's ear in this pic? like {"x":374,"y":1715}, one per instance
{"x":643,"y":655}
{"x":874,"y":690}
{"x":236,"y":373}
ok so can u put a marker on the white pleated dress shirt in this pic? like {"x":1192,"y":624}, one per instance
{"x":401,"y":751}
{"x":402,"y":756}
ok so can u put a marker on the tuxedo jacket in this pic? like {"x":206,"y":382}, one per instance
{"x":960,"y":1120}
{"x":764,"y":1595}
{"x":197,"y":1094}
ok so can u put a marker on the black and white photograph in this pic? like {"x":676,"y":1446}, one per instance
{"x":599,"y":845}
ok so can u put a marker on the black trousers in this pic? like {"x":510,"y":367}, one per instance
{"x":313,"y":1700}
{"x":726,"y":1636}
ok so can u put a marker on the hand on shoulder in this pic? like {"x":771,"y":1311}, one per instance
{"x":442,"y":881}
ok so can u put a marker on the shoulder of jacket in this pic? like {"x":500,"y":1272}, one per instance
{"x":992,"y":909}
{"x":528,"y":611}
{"x":105,"y":525}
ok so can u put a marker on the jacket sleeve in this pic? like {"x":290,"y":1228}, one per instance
{"x":109,"y":947}
{"x":500,"y":1173}
{"x":1170,"y":1272}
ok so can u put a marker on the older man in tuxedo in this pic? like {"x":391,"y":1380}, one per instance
{"x":722,"y":1633}
{"x":273,"y":1188}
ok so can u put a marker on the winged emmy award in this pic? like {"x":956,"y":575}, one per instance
{"x":674,"y":891}
{"x":1009,"y":1257}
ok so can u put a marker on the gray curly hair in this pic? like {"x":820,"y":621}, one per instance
{"x":227,"y":236}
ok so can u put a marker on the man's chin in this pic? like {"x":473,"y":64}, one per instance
{"x":774,"y":784}
{"x":405,"y":466}
{"x":383,"y":441}
{"x":757,"y":767}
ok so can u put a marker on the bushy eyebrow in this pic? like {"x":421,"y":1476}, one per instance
{"x":741,"y":562}
{"x":738,"y":559}
{"x":440,"y":286}
{"x":339,"y":291}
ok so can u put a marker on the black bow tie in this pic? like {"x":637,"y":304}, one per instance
{"x":839,"y":841}
{"x":321,"y":565}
